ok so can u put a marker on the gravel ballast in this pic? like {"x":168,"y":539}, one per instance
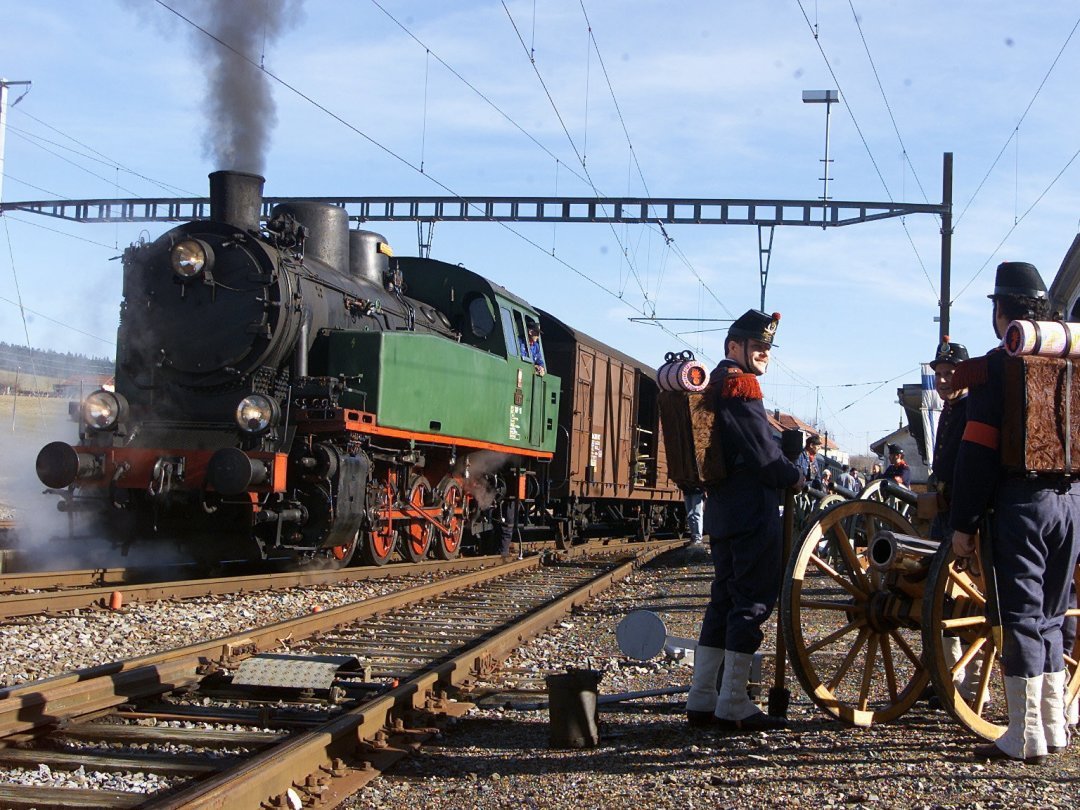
{"x":498,"y":756}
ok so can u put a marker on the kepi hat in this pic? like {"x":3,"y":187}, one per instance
{"x":1020,"y":279}
{"x":895,"y":449}
{"x":948,"y":352}
{"x":756,"y":325}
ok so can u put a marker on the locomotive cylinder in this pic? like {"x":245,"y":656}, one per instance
{"x":236,"y":198}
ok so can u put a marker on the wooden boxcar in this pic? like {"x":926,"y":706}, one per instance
{"x":609,"y":469}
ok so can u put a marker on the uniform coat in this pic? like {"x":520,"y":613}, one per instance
{"x":742,"y":516}
{"x":1033,"y":539}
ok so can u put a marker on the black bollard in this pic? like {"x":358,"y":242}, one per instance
{"x":572,"y":708}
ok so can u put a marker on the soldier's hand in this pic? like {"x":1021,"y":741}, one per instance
{"x":799,"y":485}
{"x":963,"y":544}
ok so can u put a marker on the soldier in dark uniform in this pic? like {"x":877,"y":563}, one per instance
{"x":1033,"y":539}
{"x":742,"y":520}
{"x":898,"y":469}
{"x":950,"y":429}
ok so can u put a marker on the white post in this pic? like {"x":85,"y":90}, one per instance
{"x":4,"y":85}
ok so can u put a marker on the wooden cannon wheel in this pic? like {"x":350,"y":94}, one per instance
{"x":874,"y":491}
{"x":964,"y":652}
{"x":854,"y":637}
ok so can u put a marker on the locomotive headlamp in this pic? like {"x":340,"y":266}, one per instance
{"x":190,"y":257}
{"x":257,"y":413}
{"x":103,"y":409}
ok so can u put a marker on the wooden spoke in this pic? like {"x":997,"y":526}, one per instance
{"x":967,"y":657}
{"x":911,"y":655}
{"x":849,"y":659}
{"x":890,"y":669}
{"x":819,"y":604}
{"x":828,"y":595}
{"x":963,"y":623}
{"x":847,"y":551}
{"x":964,"y":581}
{"x":962,"y":654}
{"x":838,"y":578}
{"x":868,"y":672}
{"x":837,"y":634}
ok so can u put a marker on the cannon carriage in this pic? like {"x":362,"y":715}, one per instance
{"x":874,"y":614}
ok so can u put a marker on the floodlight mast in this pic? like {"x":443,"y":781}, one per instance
{"x":828,"y":98}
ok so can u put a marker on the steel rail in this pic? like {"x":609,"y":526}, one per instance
{"x":29,"y":707}
{"x":58,"y":591}
{"x":341,"y":747}
{"x":25,"y":604}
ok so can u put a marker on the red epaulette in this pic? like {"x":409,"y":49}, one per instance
{"x":970,"y":373}
{"x":740,"y":385}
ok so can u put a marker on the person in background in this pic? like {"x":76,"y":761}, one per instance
{"x":875,"y":473}
{"x":1033,"y":539}
{"x":742,"y":519}
{"x":846,"y":479}
{"x":898,"y":469}
{"x":694,"y":499}
{"x":826,"y":479}
{"x":860,"y":482}
{"x":810,"y":463}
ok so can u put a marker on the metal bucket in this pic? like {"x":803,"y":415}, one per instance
{"x":572,"y":708}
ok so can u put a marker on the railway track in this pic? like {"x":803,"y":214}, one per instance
{"x":26,"y":594}
{"x":301,"y":711}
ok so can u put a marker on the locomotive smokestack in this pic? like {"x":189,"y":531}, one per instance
{"x":236,"y":198}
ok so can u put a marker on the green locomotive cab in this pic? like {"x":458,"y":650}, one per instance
{"x":416,"y":383}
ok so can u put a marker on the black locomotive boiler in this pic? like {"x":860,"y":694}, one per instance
{"x":292,"y":389}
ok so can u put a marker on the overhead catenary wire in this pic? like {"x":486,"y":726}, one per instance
{"x":570,"y":138}
{"x":862,"y":137}
{"x":1017,"y":222}
{"x":1014,"y":132}
{"x":390,"y":152}
{"x":103,"y":158}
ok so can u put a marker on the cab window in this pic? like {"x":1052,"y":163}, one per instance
{"x":481,"y":323}
{"x":513,"y":349}
{"x":519,"y":330}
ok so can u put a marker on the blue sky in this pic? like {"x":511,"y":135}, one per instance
{"x":707,"y":93}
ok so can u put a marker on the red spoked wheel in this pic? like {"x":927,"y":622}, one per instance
{"x":416,"y":535}
{"x":378,"y":543}
{"x":448,"y":544}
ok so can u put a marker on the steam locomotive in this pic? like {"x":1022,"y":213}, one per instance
{"x":297,"y":387}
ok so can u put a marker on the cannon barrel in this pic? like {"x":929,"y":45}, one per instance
{"x":891,"y":551}
{"x":900,"y":492}
{"x":847,"y":493}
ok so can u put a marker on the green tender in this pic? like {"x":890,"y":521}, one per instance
{"x":427,"y":384}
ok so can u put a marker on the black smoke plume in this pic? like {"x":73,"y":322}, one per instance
{"x":241,"y":113}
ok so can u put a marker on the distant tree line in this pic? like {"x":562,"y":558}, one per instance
{"x":51,"y":364}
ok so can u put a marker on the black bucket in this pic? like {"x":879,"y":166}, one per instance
{"x":572,"y":707}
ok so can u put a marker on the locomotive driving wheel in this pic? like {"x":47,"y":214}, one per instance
{"x":448,"y":543}
{"x":416,"y":536}
{"x":378,"y":543}
{"x":853,"y":636}
{"x":964,"y":656}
